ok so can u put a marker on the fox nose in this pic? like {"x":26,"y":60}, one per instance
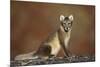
{"x":66,"y":29}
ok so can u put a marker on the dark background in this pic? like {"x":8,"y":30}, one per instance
{"x":32,"y":23}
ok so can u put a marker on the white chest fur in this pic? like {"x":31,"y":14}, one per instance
{"x":65,"y":36}
{"x":66,"y":41}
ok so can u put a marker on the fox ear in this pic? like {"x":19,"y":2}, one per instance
{"x":62,"y":17}
{"x":71,"y":17}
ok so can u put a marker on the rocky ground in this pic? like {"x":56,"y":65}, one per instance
{"x":56,"y":60}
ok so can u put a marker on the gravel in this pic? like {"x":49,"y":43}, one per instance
{"x":56,"y":60}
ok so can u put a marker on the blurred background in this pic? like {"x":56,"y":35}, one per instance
{"x":33,"y":22}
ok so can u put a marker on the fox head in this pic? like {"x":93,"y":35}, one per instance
{"x":66,"y":22}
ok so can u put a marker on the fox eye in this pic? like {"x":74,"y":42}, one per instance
{"x":64,"y":23}
{"x":69,"y":23}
